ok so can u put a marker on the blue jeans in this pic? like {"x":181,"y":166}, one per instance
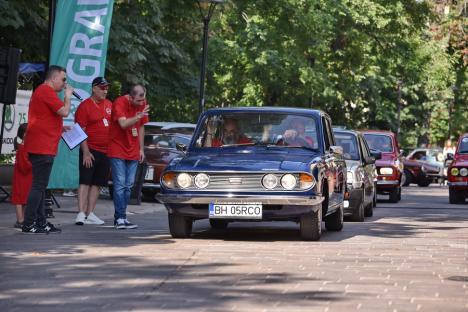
{"x":123,"y":177}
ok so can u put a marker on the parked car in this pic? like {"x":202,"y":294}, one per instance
{"x":390,"y":166}
{"x":424,"y":166}
{"x":361,"y":178}
{"x":248,"y":164}
{"x":458,"y":172}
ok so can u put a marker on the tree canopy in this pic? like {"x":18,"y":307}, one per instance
{"x":359,"y":60}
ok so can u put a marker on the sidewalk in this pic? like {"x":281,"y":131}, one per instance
{"x":68,"y":210}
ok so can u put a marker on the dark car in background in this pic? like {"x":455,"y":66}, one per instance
{"x":262,"y":176}
{"x":424,"y":166}
{"x":390,"y":166}
{"x":457,"y":173}
{"x":361,"y":181}
{"x":161,"y":140}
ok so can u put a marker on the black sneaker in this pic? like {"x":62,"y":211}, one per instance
{"x":33,"y":229}
{"x":51,"y":229}
{"x":18,"y":225}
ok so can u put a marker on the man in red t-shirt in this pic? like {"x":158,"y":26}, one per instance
{"x":129,"y":114}
{"x":45,"y":126}
{"x":94,"y":116}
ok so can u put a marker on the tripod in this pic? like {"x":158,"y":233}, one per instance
{"x":4,"y":194}
{"x":49,"y":201}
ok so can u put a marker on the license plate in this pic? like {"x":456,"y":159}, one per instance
{"x":149,"y":173}
{"x":235,"y":210}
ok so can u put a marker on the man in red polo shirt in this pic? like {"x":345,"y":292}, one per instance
{"x":129,"y":114}
{"x":45,"y":126}
{"x":94,"y":116}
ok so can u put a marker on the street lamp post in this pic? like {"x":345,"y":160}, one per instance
{"x":209,"y":6}
{"x":399,"y":83}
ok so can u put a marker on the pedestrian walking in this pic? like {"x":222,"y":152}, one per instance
{"x":22,"y":176}
{"x":93,"y":115}
{"x":45,"y":126}
{"x":125,"y":150}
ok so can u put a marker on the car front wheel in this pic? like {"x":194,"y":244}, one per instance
{"x":311,"y":225}
{"x":394,"y":195}
{"x":456,"y":197}
{"x":180,"y":226}
{"x":358,"y":213}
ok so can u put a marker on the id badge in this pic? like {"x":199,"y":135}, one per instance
{"x":106,"y":123}
{"x":134,"y":132}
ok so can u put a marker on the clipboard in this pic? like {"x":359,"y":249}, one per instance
{"x":74,"y":136}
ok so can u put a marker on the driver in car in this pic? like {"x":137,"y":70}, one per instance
{"x":230,"y":135}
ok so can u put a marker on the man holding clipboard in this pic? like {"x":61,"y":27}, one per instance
{"x":93,"y":115}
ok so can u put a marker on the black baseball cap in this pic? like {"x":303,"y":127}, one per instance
{"x":100,"y":81}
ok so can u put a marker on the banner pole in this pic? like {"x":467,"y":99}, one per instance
{"x":52,"y":9}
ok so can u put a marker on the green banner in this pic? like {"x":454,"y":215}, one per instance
{"x":79,"y":43}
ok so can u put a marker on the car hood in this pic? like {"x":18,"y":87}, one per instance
{"x":461,"y":160}
{"x":244,"y":161}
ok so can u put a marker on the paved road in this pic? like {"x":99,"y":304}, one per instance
{"x":411,"y":256}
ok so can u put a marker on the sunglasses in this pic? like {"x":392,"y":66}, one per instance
{"x":64,"y":79}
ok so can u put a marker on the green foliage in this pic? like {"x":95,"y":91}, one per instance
{"x":345,"y":57}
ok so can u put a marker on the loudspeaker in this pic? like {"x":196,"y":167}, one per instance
{"x":9,"y":63}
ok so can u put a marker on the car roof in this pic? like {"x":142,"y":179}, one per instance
{"x":353,"y":132}
{"x":383,"y":132}
{"x":266,"y":109}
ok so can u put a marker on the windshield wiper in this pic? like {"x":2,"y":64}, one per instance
{"x":304,"y":147}
{"x":238,"y":144}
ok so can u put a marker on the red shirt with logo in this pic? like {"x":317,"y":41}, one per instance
{"x":95,"y":119}
{"x":124,"y":143}
{"x":44,"y":124}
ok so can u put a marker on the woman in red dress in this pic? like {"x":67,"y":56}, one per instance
{"x":22,"y":176}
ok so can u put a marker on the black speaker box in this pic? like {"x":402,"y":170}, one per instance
{"x":9,"y":63}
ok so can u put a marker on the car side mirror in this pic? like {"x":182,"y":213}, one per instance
{"x":369,"y":160}
{"x":449,"y":156}
{"x":402,"y":152}
{"x":181,"y":147}
{"x":335,"y":149}
{"x":376,"y":154}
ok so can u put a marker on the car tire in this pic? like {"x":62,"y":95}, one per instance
{"x":311,"y":225}
{"x":180,"y":226}
{"x":334,"y":222}
{"x":358,"y":213}
{"x":399,"y":193}
{"x":369,"y":211}
{"x":148,"y":196}
{"x":424,"y":182}
{"x":456,"y":197}
{"x":374,"y":200}
{"x":393,"y":198}
{"x":408,"y":178}
{"x":218,"y":224}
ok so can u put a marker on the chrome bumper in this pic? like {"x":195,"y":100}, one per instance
{"x":266,"y":200}
{"x":459,"y":183}
{"x":148,"y":185}
{"x":388,"y":182}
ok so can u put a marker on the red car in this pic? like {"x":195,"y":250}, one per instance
{"x":390,"y":166}
{"x":457,"y":173}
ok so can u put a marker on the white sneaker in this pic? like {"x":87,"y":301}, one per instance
{"x":130,"y":225}
{"x":120,"y":224}
{"x":93,"y":219}
{"x":80,"y":218}
{"x":69,"y":194}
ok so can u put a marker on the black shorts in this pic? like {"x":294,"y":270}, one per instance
{"x":98,"y":174}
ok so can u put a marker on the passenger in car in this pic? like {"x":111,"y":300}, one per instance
{"x":295,"y":135}
{"x":230,"y":134}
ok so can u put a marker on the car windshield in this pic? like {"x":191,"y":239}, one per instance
{"x":266,"y":129}
{"x":349,"y":144}
{"x":379,"y":142}
{"x":463,"y":147}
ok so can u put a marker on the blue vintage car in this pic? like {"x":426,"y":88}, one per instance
{"x":257,"y":164}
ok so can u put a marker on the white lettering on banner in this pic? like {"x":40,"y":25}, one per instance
{"x":82,"y":18}
{"x":87,"y":43}
{"x":84,"y":63}
{"x":92,"y":2}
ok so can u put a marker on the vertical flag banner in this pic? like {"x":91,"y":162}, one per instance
{"x":79,"y":43}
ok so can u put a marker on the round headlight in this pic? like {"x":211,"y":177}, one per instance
{"x":202,"y":180}
{"x":454,"y":171}
{"x":270,"y":181}
{"x":386,"y":170}
{"x":349,"y":177}
{"x":184,"y":180}
{"x":463,"y":172}
{"x":288,"y":181}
